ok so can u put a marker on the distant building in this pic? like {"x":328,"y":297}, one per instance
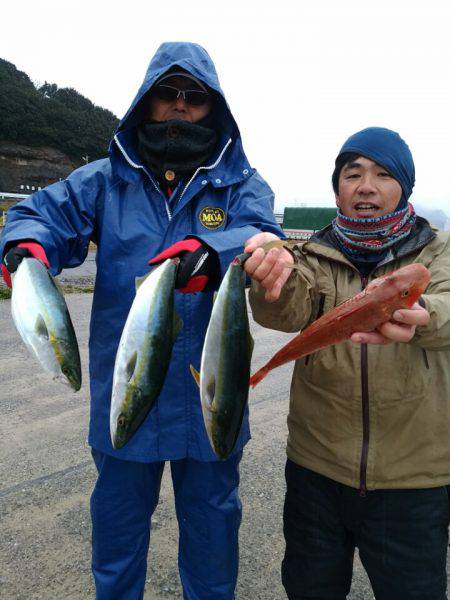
{"x":279,"y":218}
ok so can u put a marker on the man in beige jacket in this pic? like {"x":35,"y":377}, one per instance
{"x":369,"y":420}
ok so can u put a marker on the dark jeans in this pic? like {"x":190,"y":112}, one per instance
{"x":402,"y":537}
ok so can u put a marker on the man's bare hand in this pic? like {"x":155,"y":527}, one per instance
{"x":401,"y":329}
{"x":268,"y":269}
{"x":258,"y":240}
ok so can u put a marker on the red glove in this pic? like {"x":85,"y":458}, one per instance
{"x":15,"y":255}
{"x":198,"y":265}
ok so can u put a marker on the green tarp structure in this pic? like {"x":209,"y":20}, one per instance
{"x":302,"y":222}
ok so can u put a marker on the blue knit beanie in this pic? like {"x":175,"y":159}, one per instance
{"x":386,"y":148}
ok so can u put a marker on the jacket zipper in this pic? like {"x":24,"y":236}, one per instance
{"x":137,"y":166}
{"x":206,"y":168}
{"x":365,"y":413}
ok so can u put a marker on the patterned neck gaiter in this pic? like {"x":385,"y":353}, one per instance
{"x":367,"y":240}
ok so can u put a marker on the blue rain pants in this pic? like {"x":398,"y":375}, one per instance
{"x":208,"y":511}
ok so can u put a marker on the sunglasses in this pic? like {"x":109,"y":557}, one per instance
{"x":168,"y":93}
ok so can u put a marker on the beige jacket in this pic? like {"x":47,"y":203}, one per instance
{"x":375,"y":420}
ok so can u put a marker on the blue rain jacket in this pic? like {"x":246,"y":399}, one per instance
{"x":118,"y":203}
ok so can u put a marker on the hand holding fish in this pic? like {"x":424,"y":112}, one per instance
{"x":16,"y":254}
{"x":198,"y":265}
{"x":393,"y":296}
{"x":401,"y":328}
{"x":268,"y":268}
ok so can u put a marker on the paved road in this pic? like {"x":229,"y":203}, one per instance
{"x":46,"y":476}
{"x":82,"y":275}
{"x":85,"y":273}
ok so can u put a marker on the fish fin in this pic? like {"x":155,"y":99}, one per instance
{"x":195,"y":374}
{"x":138,"y":281}
{"x":131,"y":365}
{"x":41,"y":328}
{"x":177,"y":325}
{"x":211,"y":390}
{"x":274,"y":244}
{"x":292,"y":266}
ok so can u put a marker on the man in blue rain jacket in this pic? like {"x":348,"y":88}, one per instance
{"x":176,"y":183}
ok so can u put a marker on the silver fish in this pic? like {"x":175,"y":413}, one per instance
{"x":144,"y":352}
{"x":225,"y":364}
{"x":41,"y":317}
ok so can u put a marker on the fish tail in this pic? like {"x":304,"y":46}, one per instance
{"x":258,"y":376}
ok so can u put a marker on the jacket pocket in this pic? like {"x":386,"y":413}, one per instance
{"x":399,"y":373}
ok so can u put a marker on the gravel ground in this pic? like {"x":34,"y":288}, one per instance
{"x":46,"y":476}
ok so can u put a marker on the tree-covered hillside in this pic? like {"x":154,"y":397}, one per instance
{"x":50,"y":116}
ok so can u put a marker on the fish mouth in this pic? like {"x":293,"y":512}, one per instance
{"x":74,"y":380}
{"x":75,"y":385}
{"x":118,"y":441}
{"x":119,"y":430}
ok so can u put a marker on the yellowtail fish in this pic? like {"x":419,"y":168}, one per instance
{"x":144,"y":352}
{"x":42,"y":319}
{"x":225,"y":363}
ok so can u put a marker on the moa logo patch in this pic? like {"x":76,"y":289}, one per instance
{"x":211,"y":218}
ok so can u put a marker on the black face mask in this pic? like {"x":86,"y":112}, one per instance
{"x":174,"y":149}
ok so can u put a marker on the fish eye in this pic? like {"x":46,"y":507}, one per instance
{"x":65,"y":370}
{"x":405,"y":293}
{"x":121,"y":421}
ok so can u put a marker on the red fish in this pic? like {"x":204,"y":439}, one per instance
{"x":364,"y":312}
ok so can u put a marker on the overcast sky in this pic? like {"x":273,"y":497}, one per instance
{"x":300,"y":77}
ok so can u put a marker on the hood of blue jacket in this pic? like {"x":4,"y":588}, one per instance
{"x":195,"y":60}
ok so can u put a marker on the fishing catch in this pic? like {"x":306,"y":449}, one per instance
{"x":225,"y":363}
{"x":144,"y":351}
{"x":41,"y":317}
{"x":364,"y":312}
